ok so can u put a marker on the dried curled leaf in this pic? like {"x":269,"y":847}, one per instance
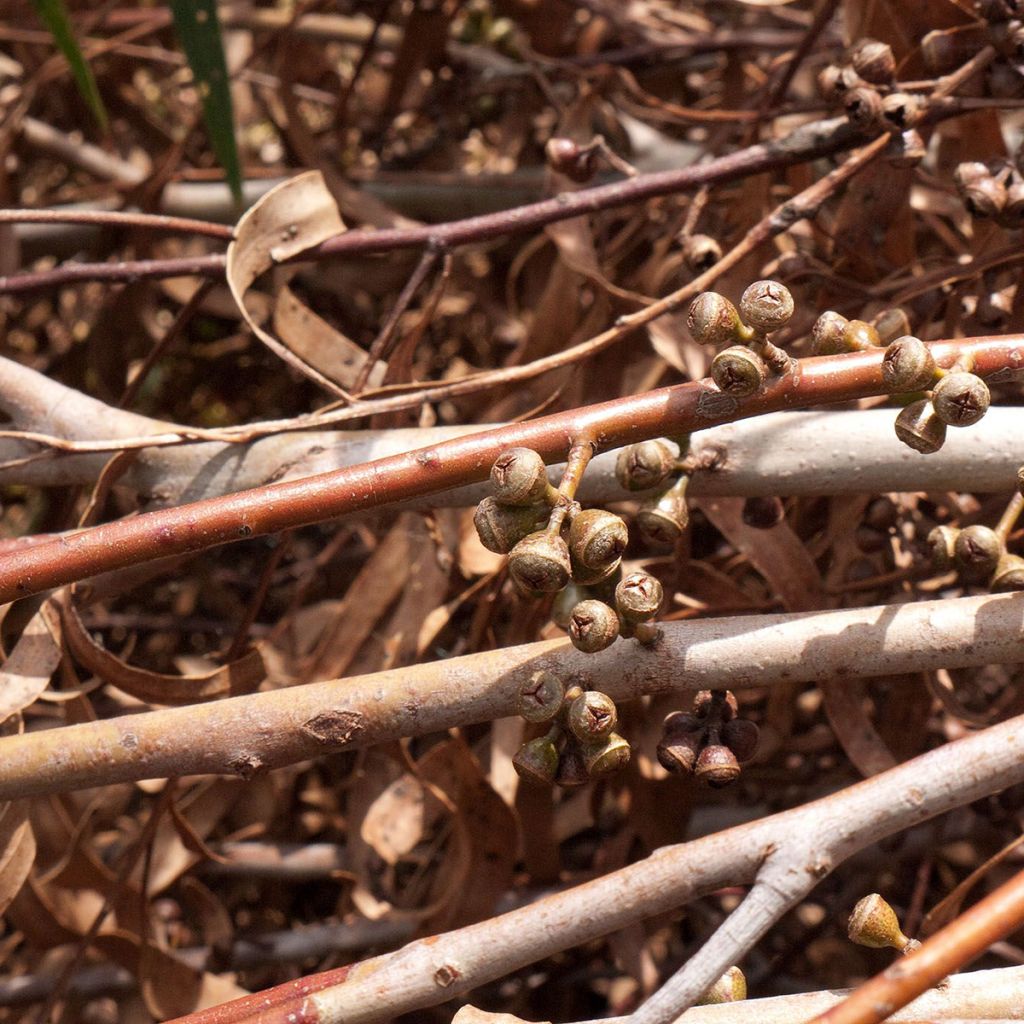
{"x":240,"y":676}
{"x":295,"y":216}
{"x":27,"y":670}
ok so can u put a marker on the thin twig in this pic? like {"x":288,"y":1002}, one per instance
{"x":683,"y":408}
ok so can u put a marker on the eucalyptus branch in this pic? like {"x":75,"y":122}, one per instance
{"x":683,"y":408}
{"x":779,"y":453}
{"x":808,"y":842}
{"x":253,"y":732}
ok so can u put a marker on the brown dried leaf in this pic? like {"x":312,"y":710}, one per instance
{"x":27,"y":670}
{"x":17,"y":851}
{"x":240,"y":676}
{"x":319,"y":344}
{"x":295,"y":216}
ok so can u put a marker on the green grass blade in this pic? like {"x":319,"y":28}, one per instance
{"x":54,"y":16}
{"x":199,"y":31}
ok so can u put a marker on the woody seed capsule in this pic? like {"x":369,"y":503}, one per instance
{"x":919,"y":428}
{"x":592,"y":717}
{"x":593,"y":626}
{"x":608,"y":757}
{"x":977,"y":551}
{"x":536,"y":761}
{"x":859,"y":335}
{"x":961,"y":399}
{"x":713,"y":319}
{"x":827,"y":333}
{"x":519,"y":477}
{"x":540,"y":562}
{"x":597,"y":538}
{"x":643,"y":465}
{"x":1009,"y":574}
{"x":874,"y":61}
{"x":908,"y":365}
{"x":766,"y":306}
{"x":500,"y":527}
{"x":863,"y":108}
{"x":942,"y":547}
{"x":891,"y":324}
{"x":873,"y":923}
{"x":701,"y":252}
{"x":638,"y":597}
{"x":717,"y":765}
{"x":731,"y":987}
{"x":738,"y":371}
{"x":541,"y":698}
{"x":663,"y":521}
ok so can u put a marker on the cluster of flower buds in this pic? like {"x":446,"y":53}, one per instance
{"x":832,"y":334}
{"x":581,"y":743}
{"x":994,"y":189}
{"x":750,"y":358}
{"x":954,"y":397}
{"x":978,"y":553}
{"x":555,"y":547}
{"x":710,"y":741}
{"x":865,"y":86}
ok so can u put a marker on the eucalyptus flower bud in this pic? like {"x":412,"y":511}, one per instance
{"x":608,"y":757}
{"x":942,"y":547}
{"x":576,"y":162}
{"x":717,"y":766}
{"x":738,"y":371}
{"x":731,"y":987}
{"x":663,"y":520}
{"x":638,"y":597}
{"x":983,"y":194}
{"x":519,"y":477}
{"x":597,"y":538}
{"x":835,"y":81}
{"x":863,"y":108}
{"x":766,"y":306}
{"x":874,"y":61}
{"x":891,"y":324}
{"x":977,"y":551}
{"x":1009,"y":574}
{"x":593,"y":626}
{"x":908,"y":365}
{"x":961,"y":399}
{"x":919,"y":428}
{"x":592,"y":717}
{"x":741,"y":736}
{"x":540,"y":562}
{"x":541,"y":697}
{"x":536,"y":761}
{"x":873,"y":923}
{"x":713,"y":319}
{"x":827,"y":334}
{"x":859,"y":336}
{"x":644,"y":465}
{"x":500,"y":527}
{"x":681,"y":742}
{"x":701,"y":252}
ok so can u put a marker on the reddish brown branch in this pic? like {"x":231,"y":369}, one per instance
{"x":820,"y":138}
{"x":994,"y":917}
{"x":682,"y":408}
